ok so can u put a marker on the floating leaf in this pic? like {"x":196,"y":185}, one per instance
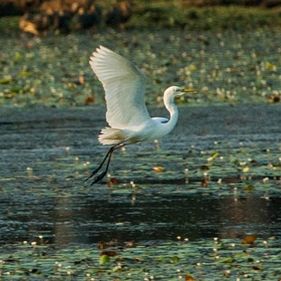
{"x":213,"y":156}
{"x":249,"y":239}
{"x":17,"y":56}
{"x":112,"y":181}
{"x":6,"y":79}
{"x":158,"y":169}
{"x":24,"y":73}
{"x":245,"y":169}
{"x":175,"y":259}
{"x":249,"y":187}
{"x":228,"y":260}
{"x":274,"y":98}
{"x":188,"y":277}
{"x":270,"y":66}
{"x":89,"y":100}
{"x":104,"y":259}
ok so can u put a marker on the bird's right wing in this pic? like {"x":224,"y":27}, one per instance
{"x":124,"y":88}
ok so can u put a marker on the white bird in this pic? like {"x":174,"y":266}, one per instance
{"x":127,"y":116}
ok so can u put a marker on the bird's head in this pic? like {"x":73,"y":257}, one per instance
{"x":175,"y":91}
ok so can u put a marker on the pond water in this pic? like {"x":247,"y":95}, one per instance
{"x":204,"y":204}
{"x":147,"y":215}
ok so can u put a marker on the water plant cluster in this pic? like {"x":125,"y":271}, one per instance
{"x":210,"y":259}
{"x":226,"y":67}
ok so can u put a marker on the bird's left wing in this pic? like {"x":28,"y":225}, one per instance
{"x":124,"y":88}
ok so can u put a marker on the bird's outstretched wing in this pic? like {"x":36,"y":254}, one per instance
{"x":124,"y":88}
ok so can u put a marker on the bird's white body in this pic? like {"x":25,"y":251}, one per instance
{"x":127,"y":114}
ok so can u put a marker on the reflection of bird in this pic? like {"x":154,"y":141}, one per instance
{"x":127,"y":114}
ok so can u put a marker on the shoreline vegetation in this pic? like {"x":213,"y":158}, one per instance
{"x":231,"y":54}
{"x":62,"y":17}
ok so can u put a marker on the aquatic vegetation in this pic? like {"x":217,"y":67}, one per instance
{"x":215,"y":259}
{"x":203,"y":205}
{"x":225,"y":66}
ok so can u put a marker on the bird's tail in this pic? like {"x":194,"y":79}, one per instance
{"x":110,"y":136}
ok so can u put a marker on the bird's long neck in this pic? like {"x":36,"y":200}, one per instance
{"x":174,"y":113}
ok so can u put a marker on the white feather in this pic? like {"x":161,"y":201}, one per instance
{"x":124,"y":88}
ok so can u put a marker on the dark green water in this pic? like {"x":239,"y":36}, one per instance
{"x":219,"y":182}
{"x":150,"y":217}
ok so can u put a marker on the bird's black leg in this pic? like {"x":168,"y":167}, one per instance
{"x":102,"y":162}
{"x":103,"y":174}
{"x":108,"y":158}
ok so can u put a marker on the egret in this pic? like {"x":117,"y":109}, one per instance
{"x":127,"y":116}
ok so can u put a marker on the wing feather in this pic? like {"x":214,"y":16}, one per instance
{"x":124,"y":88}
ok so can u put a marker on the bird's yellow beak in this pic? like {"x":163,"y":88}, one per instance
{"x":186,"y":91}
{"x":189,"y":91}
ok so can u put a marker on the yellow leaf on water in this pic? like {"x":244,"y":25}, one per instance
{"x":6,"y":79}
{"x":158,"y":169}
{"x":104,"y":259}
{"x":213,"y":156}
{"x":246,"y":169}
{"x":270,"y":66}
{"x":249,"y":239}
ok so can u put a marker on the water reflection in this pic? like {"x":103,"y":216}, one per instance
{"x":249,"y":214}
{"x":90,"y":219}
{"x":193,"y":217}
